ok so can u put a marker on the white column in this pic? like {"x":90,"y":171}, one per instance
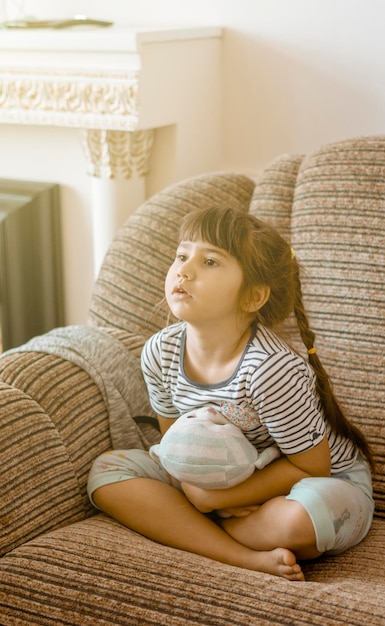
{"x":118,"y":163}
{"x":113,"y":201}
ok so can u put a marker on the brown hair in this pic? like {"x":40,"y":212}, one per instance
{"x":267,"y":259}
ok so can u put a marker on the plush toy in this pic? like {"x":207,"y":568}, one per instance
{"x":205,"y":449}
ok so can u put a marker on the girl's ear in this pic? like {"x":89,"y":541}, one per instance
{"x":256,"y":299}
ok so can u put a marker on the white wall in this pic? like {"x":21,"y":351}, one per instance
{"x":298,"y":73}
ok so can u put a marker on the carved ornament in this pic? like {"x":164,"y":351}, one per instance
{"x":113,"y":154}
{"x":103,"y":105}
{"x":70,"y":98}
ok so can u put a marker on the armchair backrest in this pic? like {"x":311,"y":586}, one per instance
{"x":331,"y":206}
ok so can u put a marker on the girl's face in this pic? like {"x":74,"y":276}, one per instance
{"x":203,"y":284}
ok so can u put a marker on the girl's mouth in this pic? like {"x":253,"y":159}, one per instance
{"x":179,"y":291}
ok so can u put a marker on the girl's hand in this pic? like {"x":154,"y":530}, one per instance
{"x":200,"y":498}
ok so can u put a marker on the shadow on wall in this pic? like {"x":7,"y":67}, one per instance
{"x":281,"y":99}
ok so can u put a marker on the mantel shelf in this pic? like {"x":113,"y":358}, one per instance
{"x":90,"y":78}
{"x":110,"y":39}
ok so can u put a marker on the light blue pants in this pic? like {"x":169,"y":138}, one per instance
{"x":341,"y":507}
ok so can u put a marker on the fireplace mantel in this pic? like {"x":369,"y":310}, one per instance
{"x":117,"y":86}
{"x":91,"y":79}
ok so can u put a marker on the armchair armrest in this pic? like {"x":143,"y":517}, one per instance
{"x":56,"y":406}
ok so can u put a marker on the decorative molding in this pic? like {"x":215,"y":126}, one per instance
{"x":113,"y":154}
{"x":103,"y":105}
{"x":70,"y":98}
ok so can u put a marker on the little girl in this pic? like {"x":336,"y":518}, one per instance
{"x":233,"y":281}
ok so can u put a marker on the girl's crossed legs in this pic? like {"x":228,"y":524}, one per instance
{"x":135,"y":490}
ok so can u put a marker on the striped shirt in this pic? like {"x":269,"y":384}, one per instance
{"x":271,"y":395}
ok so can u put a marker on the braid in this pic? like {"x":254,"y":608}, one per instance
{"x":333,"y":410}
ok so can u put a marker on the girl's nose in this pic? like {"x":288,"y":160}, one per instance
{"x":185,"y":271}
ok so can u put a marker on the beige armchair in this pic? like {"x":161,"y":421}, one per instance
{"x":64,"y":397}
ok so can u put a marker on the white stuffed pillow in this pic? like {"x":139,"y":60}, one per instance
{"x":204,"y":449}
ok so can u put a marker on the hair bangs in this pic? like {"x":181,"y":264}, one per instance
{"x":217,"y":226}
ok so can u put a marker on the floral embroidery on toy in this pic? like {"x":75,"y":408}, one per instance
{"x":244,"y":418}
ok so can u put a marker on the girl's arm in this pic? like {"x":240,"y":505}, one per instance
{"x":276,"y":479}
{"x":165,"y":423}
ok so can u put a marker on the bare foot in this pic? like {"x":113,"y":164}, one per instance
{"x":280,"y":562}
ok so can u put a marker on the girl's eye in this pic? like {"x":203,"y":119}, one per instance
{"x":211,"y":262}
{"x":181,"y":257}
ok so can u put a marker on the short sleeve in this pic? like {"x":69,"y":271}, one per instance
{"x":159,"y":391}
{"x":288,"y":404}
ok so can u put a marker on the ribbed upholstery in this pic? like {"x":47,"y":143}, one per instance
{"x":331,"y":206}
{"x":96,"y":572}
{"x":338,"y":232}
{"x":273,"y":196}
{"x":63,"y":564}
{"x":47,"y":406}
